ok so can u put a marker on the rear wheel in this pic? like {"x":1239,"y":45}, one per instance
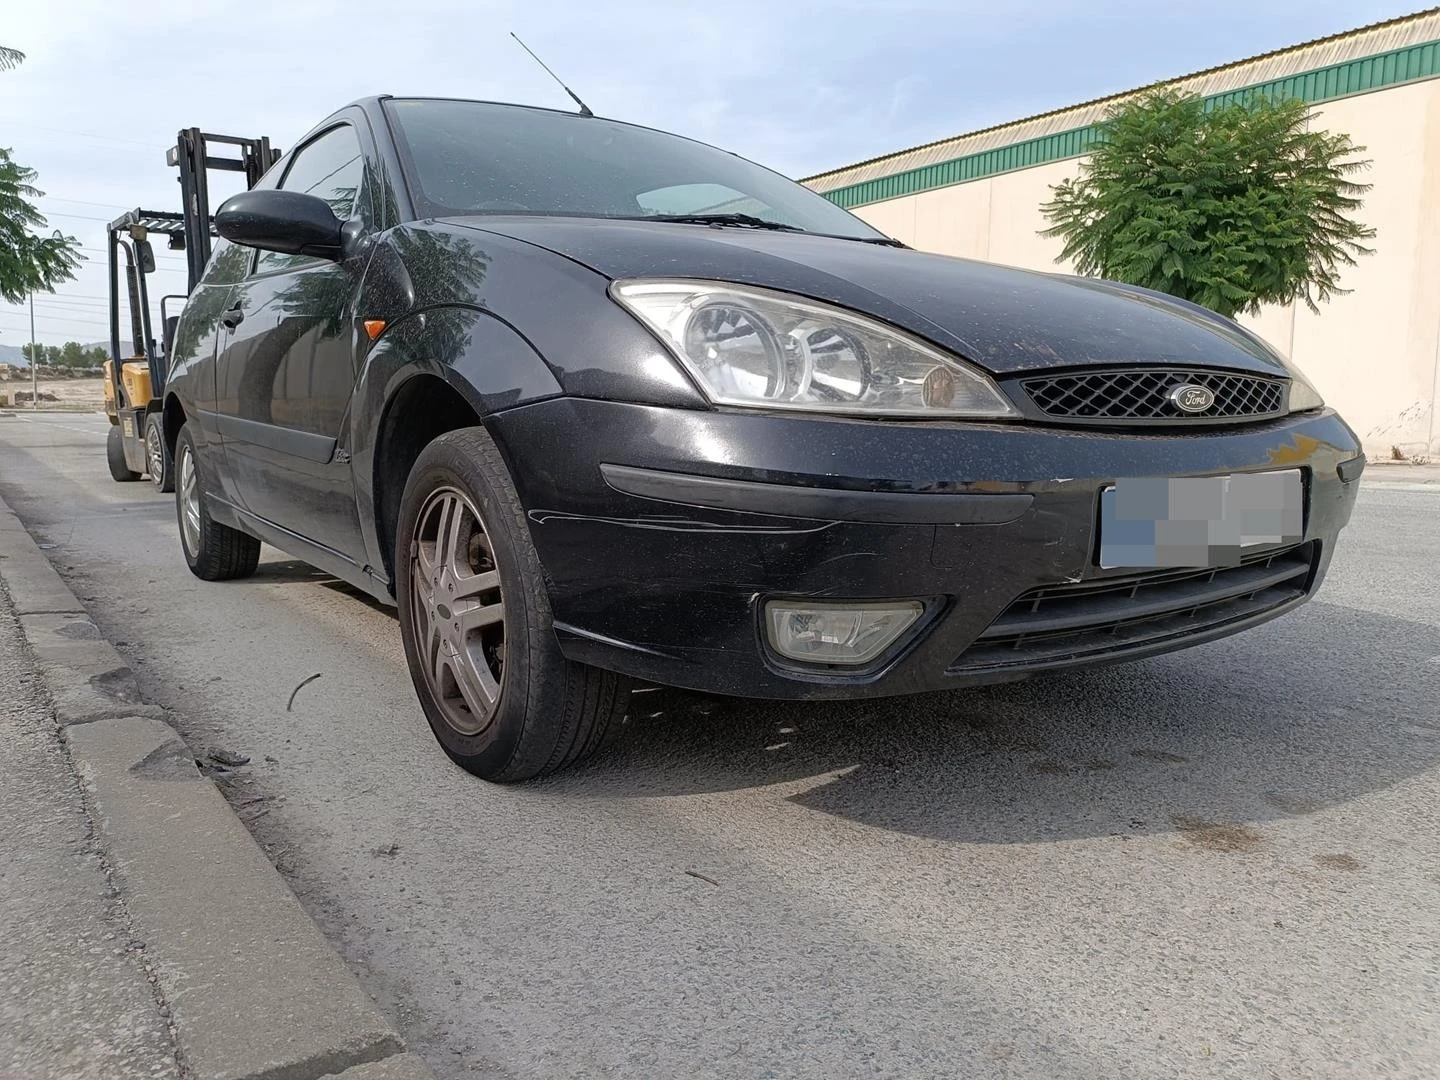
{"x":157,"y":455}
{"x":115,"y":457}
{"x":502,"y":699}
{"x":214,"y":552}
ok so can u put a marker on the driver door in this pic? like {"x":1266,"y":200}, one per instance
{"x":287,"y":371}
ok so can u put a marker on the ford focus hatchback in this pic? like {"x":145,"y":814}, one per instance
{"x":590,"y":403}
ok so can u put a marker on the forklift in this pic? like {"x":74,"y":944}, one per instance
{"x":135,"y":375}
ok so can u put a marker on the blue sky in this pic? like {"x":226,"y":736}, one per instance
{"x":799,"y":86}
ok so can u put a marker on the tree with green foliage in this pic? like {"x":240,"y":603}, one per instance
{"x":47,"y":355}
{"x":70,"y":355}
{"x":1229,"y":206}
{"x":29,"y":263}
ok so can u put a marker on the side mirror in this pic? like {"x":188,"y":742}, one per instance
{"x":289,"y":222}
{"x":145,"y":256}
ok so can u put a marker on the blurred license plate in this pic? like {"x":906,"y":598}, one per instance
{"x":1198,"y":521}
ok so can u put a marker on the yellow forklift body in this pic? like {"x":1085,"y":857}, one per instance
{"x":135,"y":377}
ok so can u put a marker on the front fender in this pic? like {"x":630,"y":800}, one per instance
{"x":485,"y":360}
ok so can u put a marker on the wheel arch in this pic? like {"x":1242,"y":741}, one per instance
{"x":422,"y":408}
{"x":432,"y":371}
{"x":173,"y":419}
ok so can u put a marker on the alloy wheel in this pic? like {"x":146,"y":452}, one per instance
{"x":457,"y":611}
{"x":189,"y":501}
{"x":155,"y":455}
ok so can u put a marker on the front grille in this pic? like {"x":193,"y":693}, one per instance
{"x":1111,"y":615}
{"x":1142,"y":395}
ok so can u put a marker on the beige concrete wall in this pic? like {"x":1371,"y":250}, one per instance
{"x":1374,"y":353}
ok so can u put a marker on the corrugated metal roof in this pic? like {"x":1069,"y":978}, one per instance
{"x":1423,"y":26}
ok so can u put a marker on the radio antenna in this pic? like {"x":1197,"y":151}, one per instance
{"x":584,"y":109}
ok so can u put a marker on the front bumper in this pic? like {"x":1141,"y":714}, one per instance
{"x":662,"y":531}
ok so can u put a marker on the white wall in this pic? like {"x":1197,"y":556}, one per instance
{"x":1374,"y":353}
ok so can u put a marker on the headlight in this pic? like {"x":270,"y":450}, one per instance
{"x":765,"y":349}
{"x":1303,"y":396}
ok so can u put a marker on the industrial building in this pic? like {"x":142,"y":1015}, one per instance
{"x":1373,"y":353}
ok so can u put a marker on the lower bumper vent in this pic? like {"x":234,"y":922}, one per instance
{"x":1057,"y":623}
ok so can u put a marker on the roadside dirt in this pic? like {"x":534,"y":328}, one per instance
{"x":70,"y":394}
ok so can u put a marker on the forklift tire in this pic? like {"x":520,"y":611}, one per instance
{"x":214,"y":552}
{"x":115,"y":456}
{"x":157,"y":455}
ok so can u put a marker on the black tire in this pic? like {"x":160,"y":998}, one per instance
{"x":546,"y":712}
{"x":115,"y":457}
{"x":214,"y":552}
{"x":157,"y":455}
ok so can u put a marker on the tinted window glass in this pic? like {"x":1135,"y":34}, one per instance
{"x":473,"y":158}
{"x":333,"y":168}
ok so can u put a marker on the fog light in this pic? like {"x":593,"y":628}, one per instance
{"x":840,"y":633}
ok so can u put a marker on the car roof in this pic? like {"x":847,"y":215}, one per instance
{"x":373,"y":105}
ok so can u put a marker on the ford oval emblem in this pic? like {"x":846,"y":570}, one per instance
{"x":1192,"y":397}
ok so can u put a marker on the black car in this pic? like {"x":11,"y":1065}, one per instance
{"x":592,"y":403}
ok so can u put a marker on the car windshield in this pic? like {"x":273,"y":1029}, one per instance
{"x":468,"y":157}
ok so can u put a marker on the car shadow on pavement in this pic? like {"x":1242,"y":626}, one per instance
{"x":1321,"y":707}
{"x":291,"y":570}
{"x":295,"y":572}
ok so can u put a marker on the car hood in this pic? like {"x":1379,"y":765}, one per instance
{"x":1002,"y":318}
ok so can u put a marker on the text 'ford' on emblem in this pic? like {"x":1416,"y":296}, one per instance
{"x":1192,"y":397}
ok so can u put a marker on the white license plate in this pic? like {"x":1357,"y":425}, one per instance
{"x":1199,"y":521}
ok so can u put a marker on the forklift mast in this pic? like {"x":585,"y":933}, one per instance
{"x":191,"y":154}
{"x":190,"y":231}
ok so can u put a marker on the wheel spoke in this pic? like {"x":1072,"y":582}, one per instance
{"x":435,"y":657}
{"x":477,"y":685}
{"x":468,"y":584}
{"x":478,"y":616}
{"x":422,"y":585}
{"x":450,"y":556}
{"x":430,"y":562}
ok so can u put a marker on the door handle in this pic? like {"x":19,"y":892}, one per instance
{"x":234,"y":317}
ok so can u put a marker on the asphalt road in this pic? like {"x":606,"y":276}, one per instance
{"x":1220,"y":863}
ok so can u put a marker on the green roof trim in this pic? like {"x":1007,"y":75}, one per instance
{"x":1323,"y":84}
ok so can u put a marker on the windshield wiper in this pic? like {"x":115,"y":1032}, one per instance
{"x":749,"y":221}
{"x":746,"y":221}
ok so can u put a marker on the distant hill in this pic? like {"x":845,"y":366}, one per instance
{"x":11,"y":354}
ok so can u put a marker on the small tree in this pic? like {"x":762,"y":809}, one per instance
{"x":1230,"y":207}
{"x":28,"y":263}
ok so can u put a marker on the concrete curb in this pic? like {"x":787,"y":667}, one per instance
{"x":255,"y":990}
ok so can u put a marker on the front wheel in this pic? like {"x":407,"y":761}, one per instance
{"x":501,"y":698}
{"x":120,"y":470}
{"x":214,"y":552}
{"x":157,"y":455}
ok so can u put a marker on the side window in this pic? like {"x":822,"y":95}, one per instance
{"x":333,"y":168}
{"x":228,"y":263}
